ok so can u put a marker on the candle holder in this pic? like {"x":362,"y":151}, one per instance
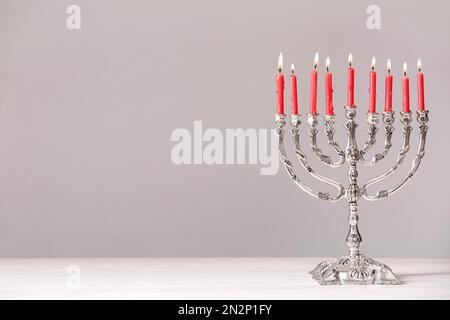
{"x":354,"y":268}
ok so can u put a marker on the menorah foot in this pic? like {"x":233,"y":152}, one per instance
{"x":353,"y":270}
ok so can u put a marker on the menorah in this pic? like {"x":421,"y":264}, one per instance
{"x":353,"y":268}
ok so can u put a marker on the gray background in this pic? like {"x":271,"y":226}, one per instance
{"x":86,"y":118}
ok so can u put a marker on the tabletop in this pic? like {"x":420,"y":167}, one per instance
{"x":207,"y":278}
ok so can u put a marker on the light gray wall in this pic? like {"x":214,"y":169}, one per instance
{"x":86,"y":118}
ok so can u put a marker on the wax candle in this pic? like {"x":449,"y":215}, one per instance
{"x":280,"y":86}
{"x":294,"y":100}
{"x":329,"y":89}
{"x":373,"y":88}
{"x":405,"y":82}
{"x":313,"y":87}
{"x":420,"y":87}
{"x":388,"y":89}
{"x":350,"y":83}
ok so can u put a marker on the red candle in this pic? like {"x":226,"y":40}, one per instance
{"x":405,"y":81}
{"x":294,"y":100}
{"x":313,"y":87}
{"x":280,"y":86}
{"x":373,"y":88}
{"x":350,"y":83}
{"x":420,"y":87}
{"x":329,"y":89}
{"x":388,"y":89}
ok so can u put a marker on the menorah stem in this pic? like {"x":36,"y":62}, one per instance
{"x":354,"y":268}
{"x":352,"y":193}
{"x":353,"y":237}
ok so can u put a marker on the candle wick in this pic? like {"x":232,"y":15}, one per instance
{"x":315,"y":66}
{"x":328,"y":69}
{"x":279,"y":70}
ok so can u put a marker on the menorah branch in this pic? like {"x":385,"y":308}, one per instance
{"x":406,"y":120}
{"x":280,"y":122}
{"x":329,"y":132}
{"x":372,"y":119}
{"x":295,"y":122}
{"x":422,"y":118}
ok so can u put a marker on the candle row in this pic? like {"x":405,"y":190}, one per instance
{"x":350,"y":87}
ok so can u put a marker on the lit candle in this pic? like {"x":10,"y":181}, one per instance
{"x":388,"y":89}
{"x":280,"y":86}
{"x":405,"y":81}
{"x":313,"y":87}
{"x":373,"y":88}
{"x":294,"y":100}
{"x":350,"y":83}
{"x":420,"y":87}
{"x":329,"y":89}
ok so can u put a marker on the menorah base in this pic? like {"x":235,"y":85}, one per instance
{"x":353,"y":270}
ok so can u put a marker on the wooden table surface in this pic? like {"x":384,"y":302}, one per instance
{"x":207,"y":278}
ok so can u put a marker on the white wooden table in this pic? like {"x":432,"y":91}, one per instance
{"x":207,"y":278}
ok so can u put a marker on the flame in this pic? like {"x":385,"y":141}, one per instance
{"x":327,"y":63}
{"x":373,"y":63}
{"x":388,"y":65}
{"x":280,"y":61}
{"x":405,"y":68}
{"x":316,"y":60}
{"x":419,"y":65}
{"x":292,"y":68}
{"x":350,"y":59}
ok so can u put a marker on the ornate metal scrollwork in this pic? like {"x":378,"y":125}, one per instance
{"x":354,"y":267}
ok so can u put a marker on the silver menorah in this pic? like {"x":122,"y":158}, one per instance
{"x":354,"y":268}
